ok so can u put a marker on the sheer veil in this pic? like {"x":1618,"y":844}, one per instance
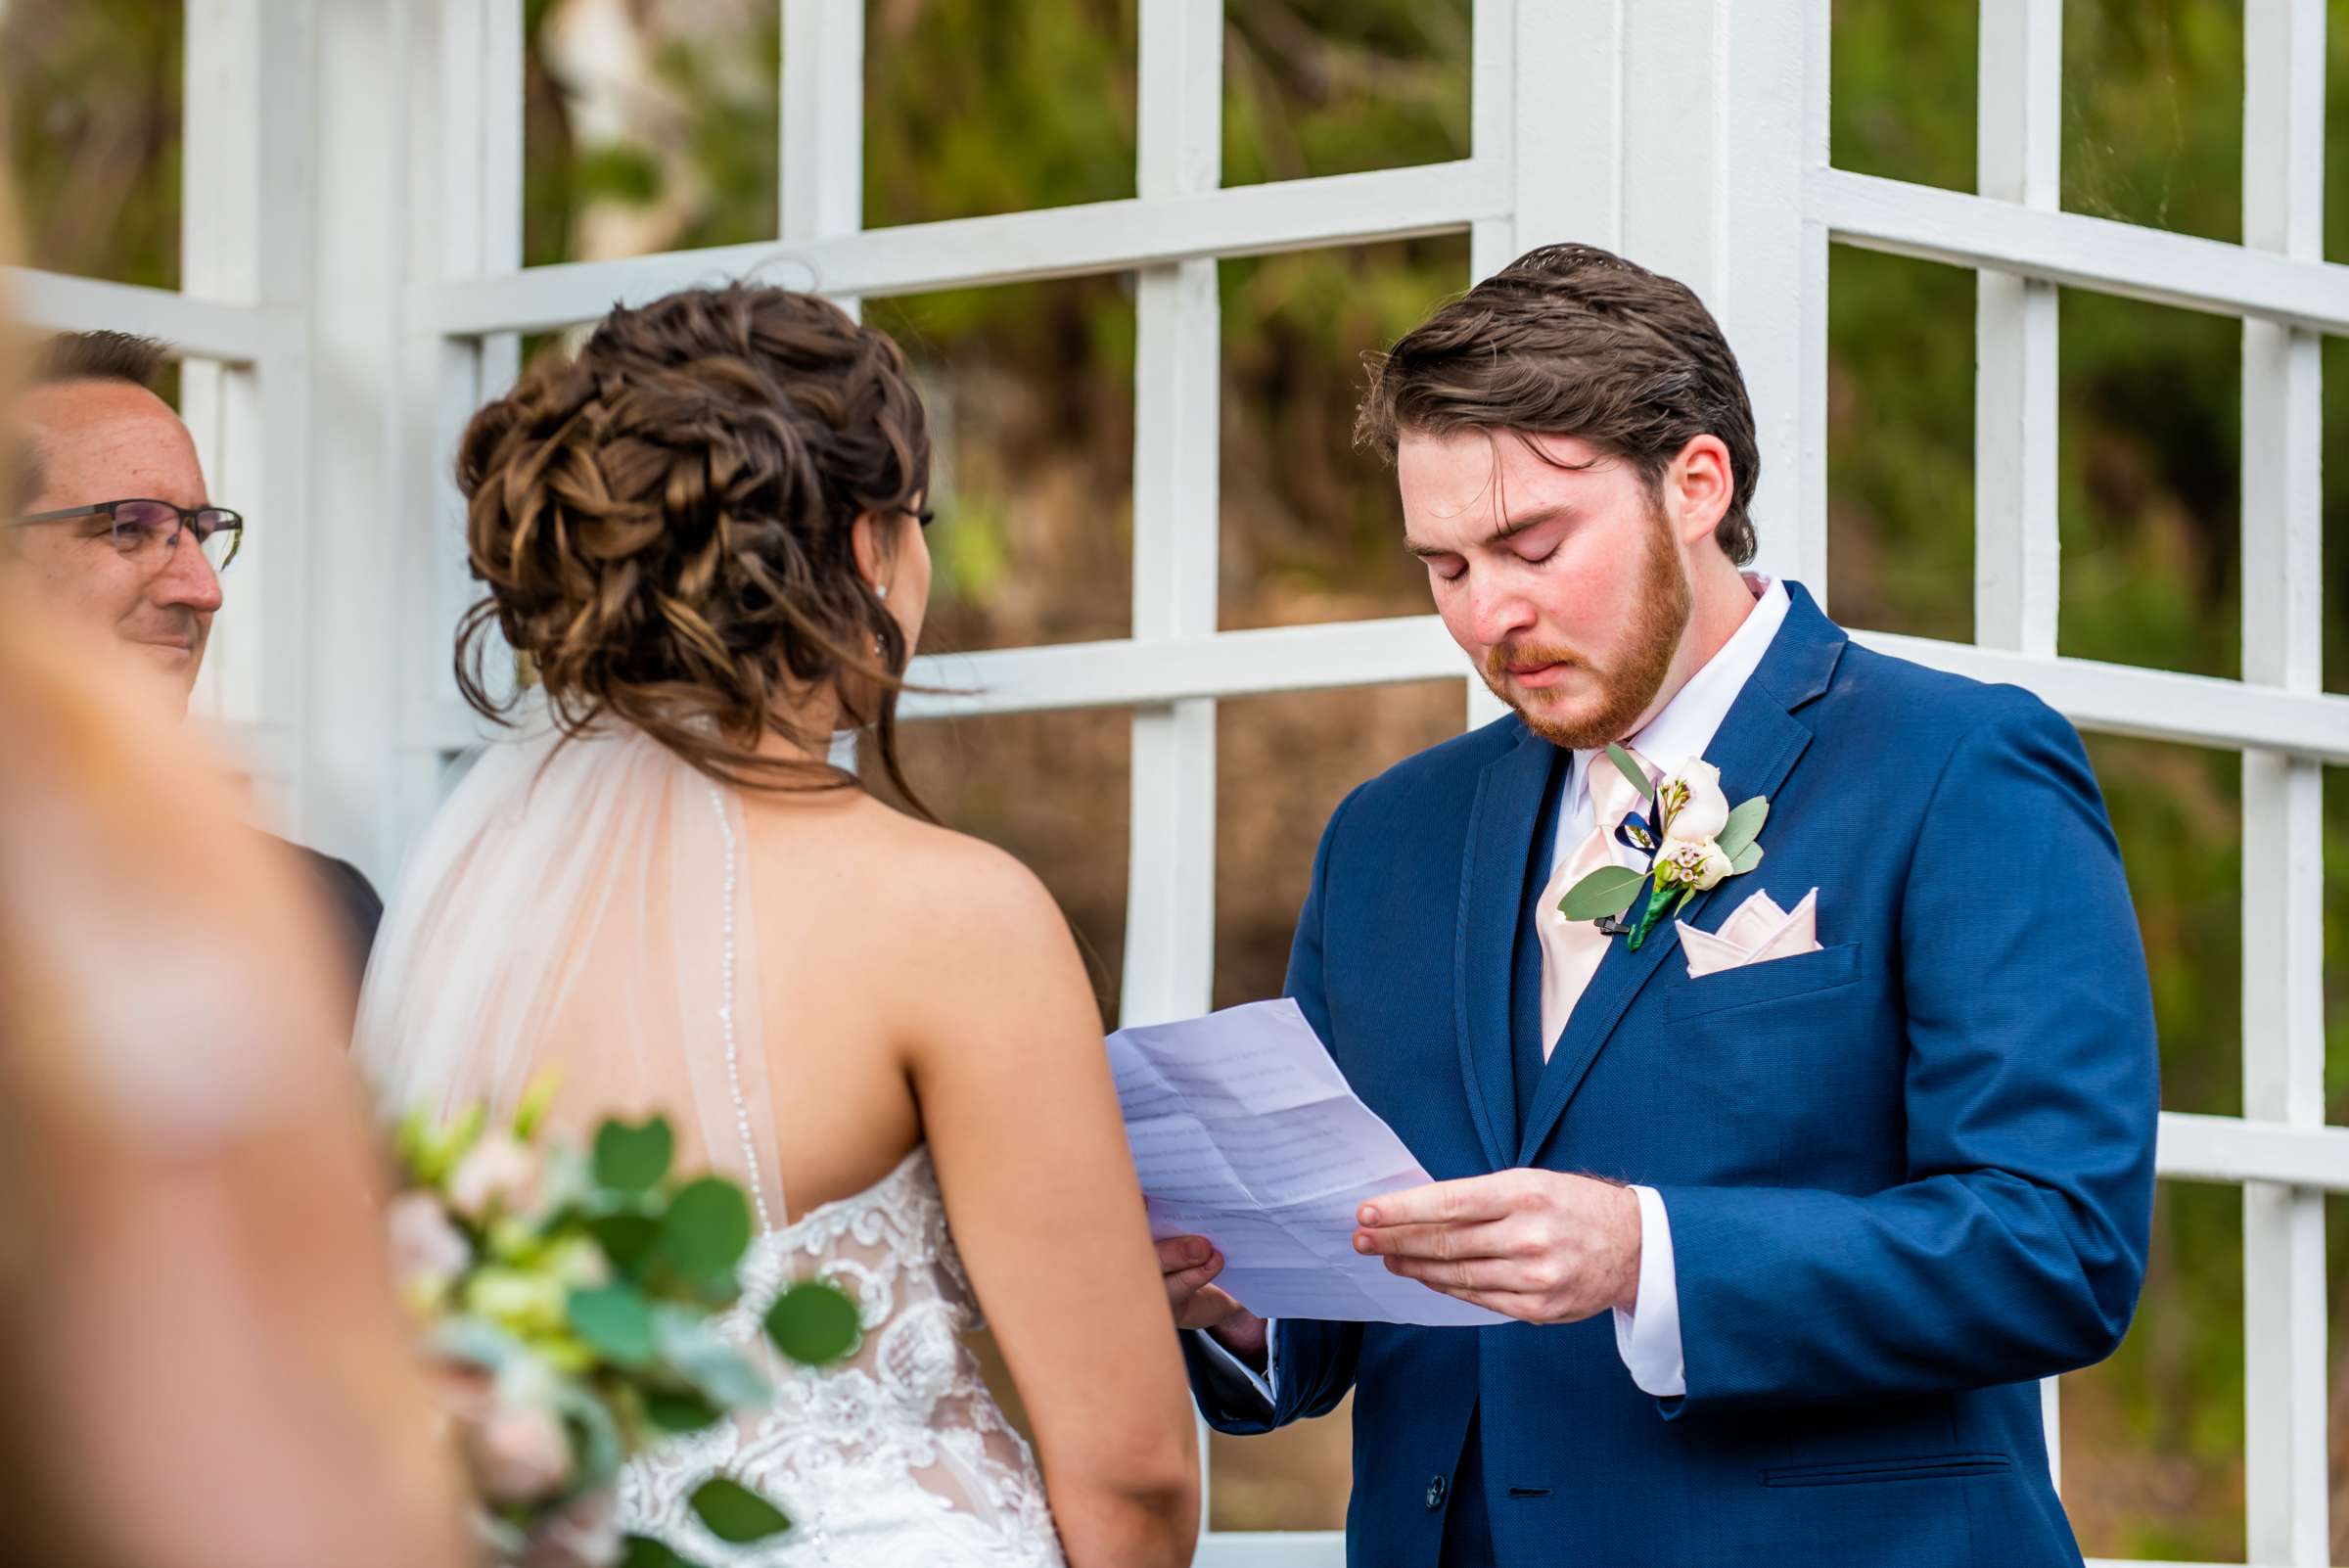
{"x":583,"y":906}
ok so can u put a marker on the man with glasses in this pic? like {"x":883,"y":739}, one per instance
{"x":114,"y":526}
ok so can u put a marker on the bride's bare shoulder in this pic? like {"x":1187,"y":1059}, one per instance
{"x":909,"y":874}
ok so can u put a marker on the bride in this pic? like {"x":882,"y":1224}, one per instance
{"x":703,"y":530}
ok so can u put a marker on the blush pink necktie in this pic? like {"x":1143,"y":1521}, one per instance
{"x":1570,"y":949}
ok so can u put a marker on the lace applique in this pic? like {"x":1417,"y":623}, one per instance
{"x":896,"y":1458}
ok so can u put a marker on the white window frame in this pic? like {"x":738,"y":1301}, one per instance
{"x":352,"y":267}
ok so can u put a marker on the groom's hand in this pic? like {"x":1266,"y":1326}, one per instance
{"x":1538,"y":1245}
{"x":1189,"y":1264}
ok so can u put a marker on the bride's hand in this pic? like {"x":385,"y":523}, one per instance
{"x":1188,"y":1265}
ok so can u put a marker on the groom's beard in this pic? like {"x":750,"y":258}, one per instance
{"x":1660,"y":614}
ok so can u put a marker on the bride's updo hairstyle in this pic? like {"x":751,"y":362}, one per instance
{"x":664,"y":520}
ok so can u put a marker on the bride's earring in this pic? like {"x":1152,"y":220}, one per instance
{"x":881,"y":590}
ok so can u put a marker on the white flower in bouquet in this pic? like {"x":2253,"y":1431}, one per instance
{"x":569,"y":1303}
{"x":428,"y":1252}
{"x":498,"y":1173}
{"x":519,"y":1453}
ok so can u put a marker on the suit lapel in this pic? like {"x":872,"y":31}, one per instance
{"x":1757,"y":746}
{"x":1492,"y":867}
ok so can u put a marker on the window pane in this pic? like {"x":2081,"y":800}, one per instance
{"x":2151,"y":469}
{"x":1892,"y":119}
{"x":648,"y":128}
{"x":2336,"y":956}
{"x":1312,"y":530}
{"x":2153,"y":1438}
{"x":1899,"y":444}
{"x":2154,"y":113}
{"x":1297,"y":1478}
{"x":973,"y":107}
{"x":2177,"y":812}
{"x":1029,"y":392}
{"x":94,"y":93}
{"x":2335,"y":463}
{"x":1337,"y":86}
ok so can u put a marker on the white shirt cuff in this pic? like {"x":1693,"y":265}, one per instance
{"x":1266,"y":1382}
{"x":1648,"y":1336}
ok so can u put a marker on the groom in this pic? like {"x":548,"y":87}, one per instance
{"x":1794,"y":1201}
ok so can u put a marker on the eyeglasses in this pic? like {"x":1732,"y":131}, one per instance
{"x":920,"y":514}
{"x":151,"y":529}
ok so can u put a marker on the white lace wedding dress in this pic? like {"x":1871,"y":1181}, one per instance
{"x":583,"y":906}
{"x":898,"y":1458}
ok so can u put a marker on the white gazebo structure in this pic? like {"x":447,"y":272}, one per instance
{"x":353,"y":289}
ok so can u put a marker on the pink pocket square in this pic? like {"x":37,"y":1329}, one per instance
{"x":1758,"y":932}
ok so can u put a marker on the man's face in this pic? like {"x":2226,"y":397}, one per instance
{"x":108,"y":440}
{"x":1555,"y":569}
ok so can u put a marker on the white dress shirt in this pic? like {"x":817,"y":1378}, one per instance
{"x":1648,"y":1336}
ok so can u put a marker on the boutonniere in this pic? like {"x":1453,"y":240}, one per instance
{"x":1691,"y":840}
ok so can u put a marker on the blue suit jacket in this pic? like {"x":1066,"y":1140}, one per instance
{"x":1906,"y":1175}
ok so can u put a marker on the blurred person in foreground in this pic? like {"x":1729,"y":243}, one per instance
{"x":705,"y":529}
{"x":118,"y":530}
{"x":204,"y":1364}
{"x":1797,"y":1157}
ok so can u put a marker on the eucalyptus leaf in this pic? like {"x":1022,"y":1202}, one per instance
{"x":1743,"y":826}
{"x":736,"y":1514}
{"x":814,"y":1323}
{"x":1605,"y":891}
{"x":627,"y":1239}
{"x":616,"y":1320}
{"x":1745,"y":859}
{"x":643,"y":1551}
{"x":1631,"y":770}
{"x":633,"y":1159}
{"x":707,"y":1230}
{"x":682,"y":1412}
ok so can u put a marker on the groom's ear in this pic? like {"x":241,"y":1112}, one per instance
{"x":1698,"y":487}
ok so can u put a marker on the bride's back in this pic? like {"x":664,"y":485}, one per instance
{"x":703,"y":530}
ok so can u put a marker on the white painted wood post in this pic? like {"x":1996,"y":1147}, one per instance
{"x":2286,"y":1376}
{"x":2019,"y":148}
{"x":820,"y":163}
{"x":822,"y":156}
{"x":245,"y":241}
{"x":464,"y":203}
{"x":1712,"y":191}
{"x":1171,"y":886}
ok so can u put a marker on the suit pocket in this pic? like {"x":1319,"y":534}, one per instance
{"x":1860,"y":1472}
{"x":1771,"y":980}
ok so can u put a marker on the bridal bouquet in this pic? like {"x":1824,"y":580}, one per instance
{"x":568,"y":1301}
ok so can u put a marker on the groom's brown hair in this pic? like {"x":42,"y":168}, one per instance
{"x":1571,"y":339}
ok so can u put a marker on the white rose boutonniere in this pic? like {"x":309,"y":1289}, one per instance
{"x":1691,"y":837}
